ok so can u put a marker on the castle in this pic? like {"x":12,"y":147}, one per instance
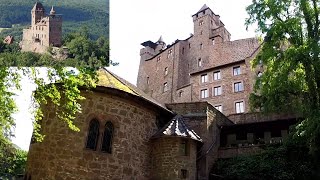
{"x":45,"y":30}
{"x":174,"y":125}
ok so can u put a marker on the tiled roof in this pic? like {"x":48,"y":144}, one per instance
{"x":177,"y":128}
{"x":110,"y":80}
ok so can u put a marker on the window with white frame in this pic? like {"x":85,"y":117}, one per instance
{"x":165,"y":87}
{"x":236,"y":71}
{"x":204,"y":93}
{"x":217,"y":75}
{"x":238,"y":86}
{"x":239,"y":107}
{"x":217,"y":91}
{"x":199,"y":62}
{"x":204,"y":78}
{"x":165,"y":70}
{"x":218,"y":107}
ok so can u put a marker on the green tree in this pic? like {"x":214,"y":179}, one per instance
{"x":290,"y":53}
{"x":12,"y":160}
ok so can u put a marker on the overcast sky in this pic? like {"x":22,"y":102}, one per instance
{"x":133,"y":22}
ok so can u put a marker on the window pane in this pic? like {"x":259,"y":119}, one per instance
{"x":93,"y":135}
{"x":107,"y":138}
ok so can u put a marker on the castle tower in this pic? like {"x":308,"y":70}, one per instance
{"x":55,"y":28}
{"x":208,"y":26}
{"x":174,"y":153}
{"x":37,"y":13}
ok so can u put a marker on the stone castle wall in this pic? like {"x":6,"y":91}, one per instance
{"x":62,"y":154}
{"x":167,"y":160}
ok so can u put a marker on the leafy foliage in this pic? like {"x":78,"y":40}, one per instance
{"x":290,"y":55}
{"x":12,"y":160}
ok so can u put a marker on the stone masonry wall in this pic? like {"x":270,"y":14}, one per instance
{"x":62,"y":155}
{"x":167,"y":160}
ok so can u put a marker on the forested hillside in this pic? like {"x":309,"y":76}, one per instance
{"x":75,"y":13}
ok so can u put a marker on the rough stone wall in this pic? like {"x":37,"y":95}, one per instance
{"x":204,"y":120}
{"x":62,"y":154}
{"x":167,"y":160}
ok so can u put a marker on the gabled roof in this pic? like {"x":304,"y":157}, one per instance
{"x":38,"y":6}
{"x":177,"y":128}
{"x":109,"y":80}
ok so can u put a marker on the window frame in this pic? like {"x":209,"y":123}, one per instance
{"x":237,"y":73}
{"x":219,"y":75}
{"x":218,"y":88}
{"x":243,"y":106}
{"x":204,"y":78}
{"x":206,"y":92}
{"x":238,"y":90}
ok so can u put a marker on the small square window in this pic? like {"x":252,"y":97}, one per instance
{"x":239,"y":107}
{"x":204,"y":93}
{"x":204,"y":78}
{"x":165,"y":87}
{"x":236,"y":71}
{"x":217,"y":91}
{"x":217,"y":75}
{"x":201,"y":23}
{"x":219,"y":107}
{"x":238,"y":87}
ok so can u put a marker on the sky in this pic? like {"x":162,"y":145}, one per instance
{"x":133,"y":22}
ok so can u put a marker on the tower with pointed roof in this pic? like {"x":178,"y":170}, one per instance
{"x":45,"y":30}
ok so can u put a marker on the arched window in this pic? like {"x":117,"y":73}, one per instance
{"x":107,"y":138}
{"x":93,"y":134}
